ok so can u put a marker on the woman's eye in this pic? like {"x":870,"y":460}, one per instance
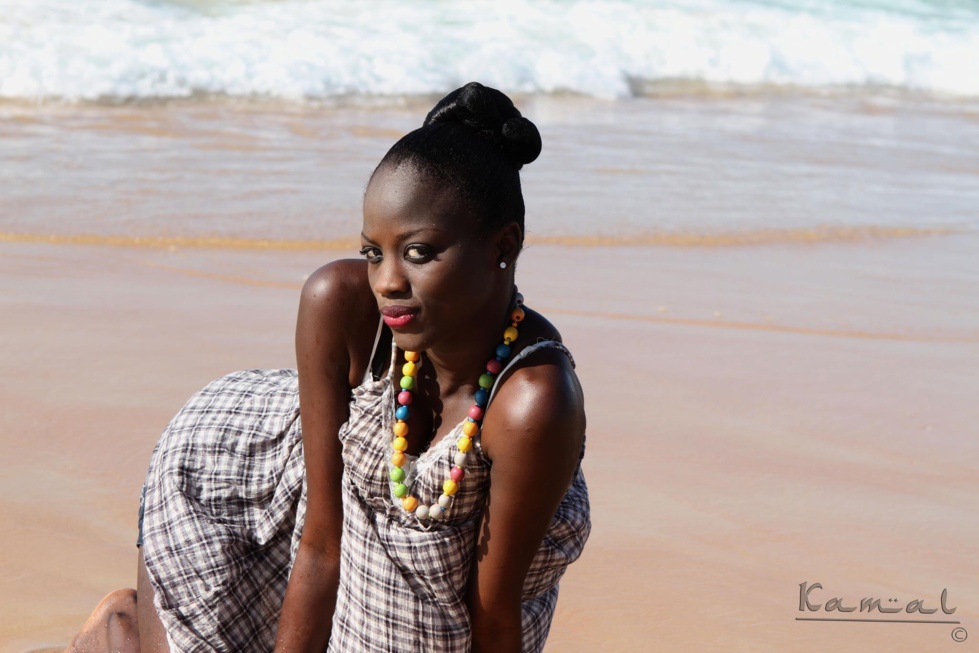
{"x":372,"y":254}
{"x":418,"y":253}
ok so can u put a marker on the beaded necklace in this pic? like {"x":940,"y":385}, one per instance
{"x":470,"y":427}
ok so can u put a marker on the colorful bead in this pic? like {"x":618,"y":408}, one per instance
{"x":482,"y":396}
{"x":470,"y":427}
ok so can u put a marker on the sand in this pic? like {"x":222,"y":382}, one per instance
{"x":748,"y":431}
{"x":760,"y":415}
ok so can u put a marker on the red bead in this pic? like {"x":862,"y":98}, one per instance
{"x":476,"y":413}
{"x":494,"y":366}
{"x":404,"y":398}
{"x":456,"y":474}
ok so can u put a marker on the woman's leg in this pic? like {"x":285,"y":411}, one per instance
{"x":152,"y":636}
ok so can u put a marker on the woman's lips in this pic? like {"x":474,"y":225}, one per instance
{"x":398,"y":316}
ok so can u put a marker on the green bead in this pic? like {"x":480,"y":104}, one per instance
{"x":400,"y":490}
{"x":486,"y":381}
{"x":407,"y":383}
{"x":397,"y":474}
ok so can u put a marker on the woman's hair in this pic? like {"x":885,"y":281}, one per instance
{"x":475,"y":142}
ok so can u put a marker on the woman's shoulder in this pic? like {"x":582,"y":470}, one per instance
{"x":337,"y":311}
{"x":540,"y":396}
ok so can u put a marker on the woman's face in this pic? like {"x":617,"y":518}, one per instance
{"x":435,"y":276}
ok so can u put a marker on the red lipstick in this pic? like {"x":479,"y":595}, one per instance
{"x":398,"y":316}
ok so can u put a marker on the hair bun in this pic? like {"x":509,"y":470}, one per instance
{"x":490,"y":113}
{"x":521,"y":140}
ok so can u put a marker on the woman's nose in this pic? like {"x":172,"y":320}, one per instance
{"x":390,"y":280}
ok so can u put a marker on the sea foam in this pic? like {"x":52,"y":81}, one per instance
{"x":122,"y":50}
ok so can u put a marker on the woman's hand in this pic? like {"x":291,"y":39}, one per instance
{"x":533,"y":435}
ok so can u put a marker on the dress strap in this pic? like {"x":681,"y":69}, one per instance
{"x":527,"y":351}
{"x":376,"y":366}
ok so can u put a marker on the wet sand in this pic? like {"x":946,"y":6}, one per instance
{"x":788,"y":402}
{"x":759,"y":417}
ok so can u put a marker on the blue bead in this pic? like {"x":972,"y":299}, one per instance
{"x":402,"y":413}
{"x":482,"y":396}
{"x":502,"y":351}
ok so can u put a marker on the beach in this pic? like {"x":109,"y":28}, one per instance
{"x":771,"y":302}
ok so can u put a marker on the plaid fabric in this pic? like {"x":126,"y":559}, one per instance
{"x":223,"y":515}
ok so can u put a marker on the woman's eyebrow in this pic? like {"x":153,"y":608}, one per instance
{"x":401,"y":237}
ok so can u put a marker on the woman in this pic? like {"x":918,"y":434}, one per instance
{"x":434,"y":472}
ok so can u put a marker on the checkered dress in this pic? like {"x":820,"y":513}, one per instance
{"x":224,"y":507}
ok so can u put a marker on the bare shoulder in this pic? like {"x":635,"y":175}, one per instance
{"x":337,"y":312}
{"x":539,"y":402}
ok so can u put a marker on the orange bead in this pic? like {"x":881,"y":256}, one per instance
{"x":517,"y":315}
{"x":450,"y":487}
{"x":464,"y":444}
{"x":409,"y":503}
{"x":400,"y":429}
{"x":397,"y":459}
{"x":412,"y":356}
{"x":400,"y":444}
{"x":470,"y":428}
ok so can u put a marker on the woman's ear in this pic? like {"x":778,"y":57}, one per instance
{"x":509,"y":241}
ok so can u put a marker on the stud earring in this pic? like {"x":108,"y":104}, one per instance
{"x":503,"y":265}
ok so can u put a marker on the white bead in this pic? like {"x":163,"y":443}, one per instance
{"x":460,"y":459}
{"x":445,"y":500}
{"x":436,"y":511}
{"x":421,"y":512}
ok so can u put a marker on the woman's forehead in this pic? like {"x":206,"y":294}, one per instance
{"x":407,"y":193}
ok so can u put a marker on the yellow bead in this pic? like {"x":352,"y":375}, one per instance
{"x":397,"y":459}
{"x":400,"y":444}
{"x":510,"y":334}
{"x":470,"y":428}
{"x":464,"y":444}
{"x":450,"y":487}
{"x":412,"y":356}
{"x":409,"y":369}
{"x":409,"y":503}
{"x":517,"y":315}
{"x":400,"y":429}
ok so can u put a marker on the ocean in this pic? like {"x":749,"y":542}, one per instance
{"x":704,"y":121}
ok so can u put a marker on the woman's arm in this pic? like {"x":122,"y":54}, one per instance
{"x":533,"y":435}
{"x":330,"y":337}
